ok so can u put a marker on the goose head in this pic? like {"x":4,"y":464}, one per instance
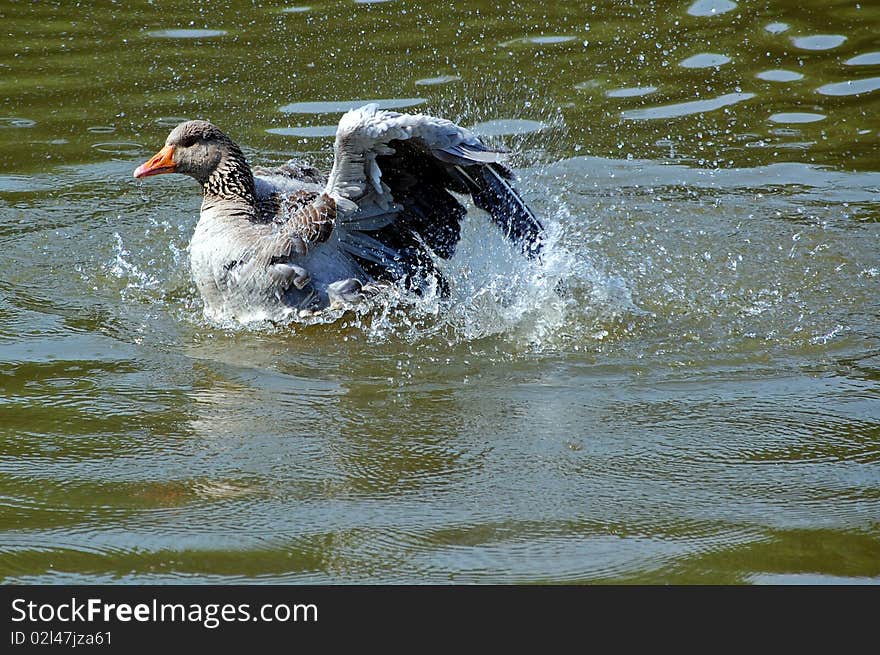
{"x":203,"y":151}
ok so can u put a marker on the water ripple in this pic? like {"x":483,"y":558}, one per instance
{"x":711,"y":7}
{"x":850,"y":87}
{"x":686,"y":108}
{"x":779,"y":75}
{"x":14,"y":122}
{"x":867,"y":59}
{"x":305,"y":131}
{"x":537,"y":40}
{"x":434,"y":81}
{"x":705,"y":60}
{"x":127,"y":148}
{"x":186,"y":33}
{"x":777,"y":28}
{"x":631,"y":92}
{"x":340,"y":106}
{"x":818,"y":41}
{"x":796,"y":117}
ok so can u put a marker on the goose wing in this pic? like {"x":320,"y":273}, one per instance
{"x":392,"y":177}
{"x":387,"y":209}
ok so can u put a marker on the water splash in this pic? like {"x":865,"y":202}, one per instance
{"x":541,"y":304}
{"x":551,"y":302}
{"x":157,"y":274}
{"x":126,"y":270}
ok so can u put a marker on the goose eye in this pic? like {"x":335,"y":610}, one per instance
{"x":188,"y":141}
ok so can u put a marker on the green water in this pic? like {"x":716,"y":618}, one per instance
{"x":685,"y":390}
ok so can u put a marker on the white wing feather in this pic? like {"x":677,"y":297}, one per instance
{"x":364,"y":134}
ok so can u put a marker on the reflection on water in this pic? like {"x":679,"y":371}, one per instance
{"x":705,"y":60}
{"x":687,"y":108}
{"x":170,"y":122}
{"x":538,"y":40}
{"x":867,"y":59}
{"x":777,"y":28}
{"x":631,"y":92}
{"x":186,"y":34}
{"x":441,"y":79}
{"x":683,"y":389}
{"x":850,"y":87}
{"x":305,"y":131}
{"x":779,"y":76}
{"x":797,"y":117}
{"x":340,"y":106}
{"x":818,"y":41}
{"x":8,"y":121}
{"x":711,"y":7}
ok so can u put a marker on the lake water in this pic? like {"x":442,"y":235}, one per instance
{"x":686,"y":389}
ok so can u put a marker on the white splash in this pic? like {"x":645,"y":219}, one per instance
{"x":124,"y":269}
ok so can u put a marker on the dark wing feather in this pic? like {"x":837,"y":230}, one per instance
{"x":420,"y":184}
{"x":491,"y":188}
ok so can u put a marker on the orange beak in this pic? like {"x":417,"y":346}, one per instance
{"x":161,"y":162}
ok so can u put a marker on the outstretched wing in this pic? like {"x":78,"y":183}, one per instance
{"x":388,"y":209}
{"x":391,"y":180}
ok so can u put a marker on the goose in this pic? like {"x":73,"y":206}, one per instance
{"x":273,"y":244}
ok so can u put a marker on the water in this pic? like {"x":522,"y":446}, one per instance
{"x":685,"y":390}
